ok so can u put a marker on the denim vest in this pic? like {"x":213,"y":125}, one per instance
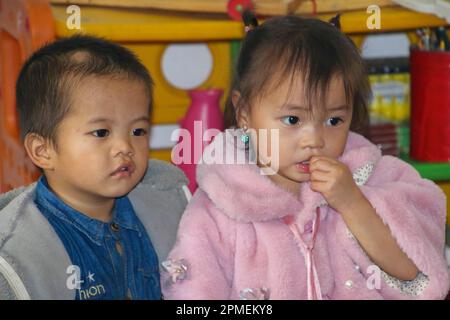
{"x":114,"y":260}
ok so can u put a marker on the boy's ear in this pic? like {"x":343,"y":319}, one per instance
{"x":39,"y":150}
{"x":241,"y":114}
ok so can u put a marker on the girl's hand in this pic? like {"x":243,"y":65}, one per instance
{"x":334,"y":181}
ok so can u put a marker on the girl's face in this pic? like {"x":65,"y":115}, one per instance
{"x":302,"y":134}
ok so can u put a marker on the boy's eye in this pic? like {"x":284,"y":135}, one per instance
{"x":139,"y":132}
{"x":101,"y":133}
{"x":290,"y":120}
{"x":334,"y":121}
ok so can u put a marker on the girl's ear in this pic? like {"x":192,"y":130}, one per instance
{"x":235,"y":97}
{"x":40,"y":151}
{"x":242,"y":118}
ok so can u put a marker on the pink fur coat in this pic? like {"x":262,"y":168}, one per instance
{"x":233,"y":242}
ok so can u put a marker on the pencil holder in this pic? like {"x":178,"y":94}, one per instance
{"x":430,"y":105}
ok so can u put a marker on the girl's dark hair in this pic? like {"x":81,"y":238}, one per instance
{"x":50,"y":76}
{"x":284,"y":47}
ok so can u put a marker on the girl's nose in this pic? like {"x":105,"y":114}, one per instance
{"x":312,"y":138}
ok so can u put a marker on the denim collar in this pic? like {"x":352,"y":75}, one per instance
{"x":123,"y":213}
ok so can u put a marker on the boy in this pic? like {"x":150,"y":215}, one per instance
{"x":101,"y":216}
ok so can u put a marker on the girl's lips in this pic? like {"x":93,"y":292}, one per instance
{"x":303,"y":167}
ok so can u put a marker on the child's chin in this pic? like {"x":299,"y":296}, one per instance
{"x":301,"y":180}
{"x":297,"y":178}
{"x":300,"y":177}
{"x":119,"y":192}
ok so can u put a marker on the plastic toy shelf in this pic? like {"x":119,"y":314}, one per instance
{"x":143,"y":24}
{"x":392,"y":19}
{"x":263,"y":7}
{"x":432,"y":171}
{"x":147,"y":25}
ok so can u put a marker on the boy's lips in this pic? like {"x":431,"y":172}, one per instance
{"x":124,"y":170}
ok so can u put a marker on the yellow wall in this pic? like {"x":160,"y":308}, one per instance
{"x":172,"y":103}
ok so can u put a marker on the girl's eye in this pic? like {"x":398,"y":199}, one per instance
{"x":139,"y":132}
{"x":101,"y":133}
{"x":334,"y":121}
{"x":290,"y":120}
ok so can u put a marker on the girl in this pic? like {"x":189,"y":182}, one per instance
{"x":334,"y":219}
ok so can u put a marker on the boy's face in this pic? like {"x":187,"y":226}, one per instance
{"x":103,"y":141}
{"x":302,"y":134}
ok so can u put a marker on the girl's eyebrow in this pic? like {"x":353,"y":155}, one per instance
{"x":303,"y":108}
{"x":293,"y":107}
{"x":339,"y":108}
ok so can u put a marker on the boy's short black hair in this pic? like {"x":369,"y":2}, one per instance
{"x":48,"y":78}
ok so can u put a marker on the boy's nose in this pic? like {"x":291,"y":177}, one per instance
{"x":123,"y":146}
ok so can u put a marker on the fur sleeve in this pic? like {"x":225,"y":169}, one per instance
{"x":200,"y":264}
{"x":414,"y":209}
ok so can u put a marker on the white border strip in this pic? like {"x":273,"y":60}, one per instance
{"x":13,"y":280}
{"x":187,"y":193}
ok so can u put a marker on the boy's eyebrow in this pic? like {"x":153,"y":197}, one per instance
{"x":97,"y":120}
{"x":101,"y":119}
{"x":143,"y":118}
